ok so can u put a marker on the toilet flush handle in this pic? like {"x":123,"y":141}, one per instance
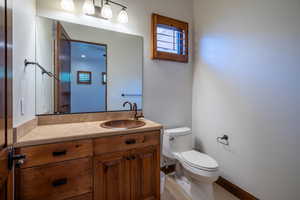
{"x":172,"y":138}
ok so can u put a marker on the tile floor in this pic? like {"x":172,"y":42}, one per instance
{"x":173,"y":191}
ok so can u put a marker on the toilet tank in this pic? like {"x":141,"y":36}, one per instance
{"x":177,"y":140}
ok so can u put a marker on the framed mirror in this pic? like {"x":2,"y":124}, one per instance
{"x":88,"y":69}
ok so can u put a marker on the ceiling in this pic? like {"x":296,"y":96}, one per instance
{"x":87,"y":51}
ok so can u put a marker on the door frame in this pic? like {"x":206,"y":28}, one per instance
{"x":6,"y":174}
{"x":9,"y":72}
{"x":59,"y":30}
{"x":106,"y":46}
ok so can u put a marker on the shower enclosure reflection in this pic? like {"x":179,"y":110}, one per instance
{"x":95,"y":70}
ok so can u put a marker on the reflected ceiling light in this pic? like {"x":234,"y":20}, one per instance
{"x":67,"y":5}
{"x":106,"y":11}
{"x":83,"y":56}
{"x":88,"y":7}
{"x":123,"y":16}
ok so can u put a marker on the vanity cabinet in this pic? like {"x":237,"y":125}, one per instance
{"x":121,"y":167}
{"x":111,"y":177}
{"x":53,"y":153}
{"x":130,"y":175}
{"x":145,"y":173}
{"x":56,"y":181}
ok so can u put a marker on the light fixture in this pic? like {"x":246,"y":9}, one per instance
{"x":83,"y":56}
{"x":67,"y":5}
{"x":123,"y":16}
{"x":97,"y":8}
{"x":88,"y":7}
{"x":106,"y":11}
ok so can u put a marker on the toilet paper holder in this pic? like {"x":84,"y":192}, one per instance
{"x":223,"y":140}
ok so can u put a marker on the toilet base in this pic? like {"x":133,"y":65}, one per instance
{"x":202,"y":191}
{"x":196,"y":190}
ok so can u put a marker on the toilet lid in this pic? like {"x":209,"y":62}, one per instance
{"x":199,"y":160}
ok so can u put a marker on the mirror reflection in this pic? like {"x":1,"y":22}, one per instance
{"x":86,"y":69}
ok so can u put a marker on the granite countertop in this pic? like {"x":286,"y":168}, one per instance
{"x":46,"y":134}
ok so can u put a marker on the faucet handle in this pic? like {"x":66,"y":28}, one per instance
{"x":134,"y":106}
{"x":140,"y":116}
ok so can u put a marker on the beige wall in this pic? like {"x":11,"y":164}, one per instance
{"x":23,"y":48}
{"x":45,"y":56}
{"x":246,"y":85}
{"x":167,"y":85}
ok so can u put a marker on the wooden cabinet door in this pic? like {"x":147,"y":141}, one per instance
{"x":56,"y":181}
{"x":145,"y":173}
{"x":6,"y":177}
{"x":112,"y":176}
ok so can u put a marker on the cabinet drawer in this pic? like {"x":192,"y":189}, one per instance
{"x":88,"y":196}
{"x":55,"y":181}
{"x":126,"y":142}
{"x":51,"y":153}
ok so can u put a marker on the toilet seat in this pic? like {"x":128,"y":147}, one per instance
{"x":199,"y":160}
{"x":211,"y":175}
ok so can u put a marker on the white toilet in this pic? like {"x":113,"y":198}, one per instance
{"x":195,"y":172}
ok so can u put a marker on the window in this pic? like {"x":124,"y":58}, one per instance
{"x":169,"y":39}
{"x":84,"y":77}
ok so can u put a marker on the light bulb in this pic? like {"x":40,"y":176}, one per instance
{"x":123,"y":16}
{"x":106,"y":11}
{"x":88,"y":7}
{"x":67,"y":5}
